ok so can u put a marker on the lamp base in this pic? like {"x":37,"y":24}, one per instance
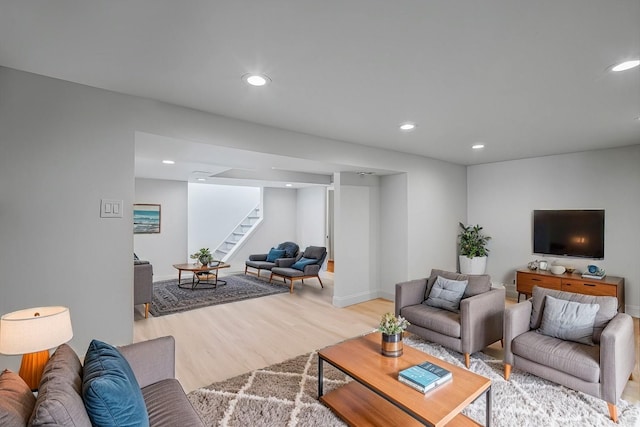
{"x":32,"y":367}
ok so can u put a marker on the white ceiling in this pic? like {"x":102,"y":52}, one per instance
{"x":526,"y":78}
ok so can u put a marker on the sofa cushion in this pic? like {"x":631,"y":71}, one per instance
{"x":608,"y":307}
{"x":169,"y":406}
{"x":568,"y":320}
{"x":287,"y":272}
{"x":290,"y":249}
{"x":274,"y":254}
{"x":436,"y":319}
{"x":16,"y":400}
{"x":314,"y":252}
{"x":446,"y":293}
{"x":478,"y":284}
{"x":579,"y":360}
{"x":111,"y":393}
{"x":59,"y":400}
{"x":303,"y":262}
{"x":263,"y":265}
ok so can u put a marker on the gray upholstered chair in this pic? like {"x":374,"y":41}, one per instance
{"x":305,"y":266}
{"x":477,"y":323}
{"x":142,"y":284}
{"x":599,"y":364}
{"x":276,"y":256}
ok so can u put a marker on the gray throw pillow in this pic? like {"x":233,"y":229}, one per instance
{"x":446,"y":294}
{"x":568,"y":320}
{"x":16,"y":400}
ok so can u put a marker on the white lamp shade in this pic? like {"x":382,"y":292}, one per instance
{"x":34,"y":329}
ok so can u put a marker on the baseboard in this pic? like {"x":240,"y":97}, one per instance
{"x":632,"y":310}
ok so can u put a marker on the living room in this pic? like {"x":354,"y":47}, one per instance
{"x":66,"y":146}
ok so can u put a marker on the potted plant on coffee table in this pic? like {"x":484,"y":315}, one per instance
{"x":203,"y":255}
{"x":392,"y":328}
{"x":473,"y":250}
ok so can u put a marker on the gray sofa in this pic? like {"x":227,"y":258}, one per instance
{"x":262,"y":261}
{"x":600,"y":369}
{"x":60,"y":395}
{"x":142,"y":284}
{"x":478,"y":323}
{"x":306,"y":265}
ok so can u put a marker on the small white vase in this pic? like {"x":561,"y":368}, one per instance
{"x":475,"y":265}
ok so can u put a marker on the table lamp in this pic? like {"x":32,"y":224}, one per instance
{"x":32,"y":332}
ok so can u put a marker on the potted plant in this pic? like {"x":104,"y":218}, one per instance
{"x":473,"y":250}
{"x":392,"y":328}
{"x":203,"y":255}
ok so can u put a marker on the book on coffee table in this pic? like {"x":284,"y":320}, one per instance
{"x":424,"y":377}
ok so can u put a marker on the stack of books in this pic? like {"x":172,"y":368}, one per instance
{"x":597,"y":275}
{"x":424,"y":377}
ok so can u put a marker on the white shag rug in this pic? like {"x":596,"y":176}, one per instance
{"x":285,"y":394}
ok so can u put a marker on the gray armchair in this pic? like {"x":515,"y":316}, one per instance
{"x":600,"y":370}
{"x":289,"y":251}
{"x":142,"y":284}
{"x":305,"y":266}
{"x":478,"y":323}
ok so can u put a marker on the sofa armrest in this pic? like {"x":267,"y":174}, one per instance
{"x":151,"y":361}
{"x":258,"y":257}
{"x":311,"y":270}
{"x":410,"y":293}
{"x":142,"y":283}
{"x":285,"y":262}
{"x":617,"y":356}
{"x":481,"y":320}
{"x":516,"y":322}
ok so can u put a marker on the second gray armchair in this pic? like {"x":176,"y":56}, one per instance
{"x":441,"y":309}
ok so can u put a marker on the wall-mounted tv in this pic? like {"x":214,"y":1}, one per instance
{"x":575,"y":233}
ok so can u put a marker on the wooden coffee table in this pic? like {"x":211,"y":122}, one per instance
{"x":209,"y":282}
{"x":377,"y":398}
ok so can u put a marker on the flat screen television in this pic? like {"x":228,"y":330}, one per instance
{"x":574,"y":233}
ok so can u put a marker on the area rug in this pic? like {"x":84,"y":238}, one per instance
{"x":168,"y":298}
{"x":285,"y":394}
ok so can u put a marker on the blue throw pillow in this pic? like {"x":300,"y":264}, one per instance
{"x":111,"y":394}
{"x":274,"y":254}
{"x":303,"y":262}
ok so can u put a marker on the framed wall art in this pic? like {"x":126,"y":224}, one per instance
{"x":146,"y":218}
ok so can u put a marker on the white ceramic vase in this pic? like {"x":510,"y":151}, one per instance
{"x":475,"y":265}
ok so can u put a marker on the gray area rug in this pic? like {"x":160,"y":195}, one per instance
{"x":168,"y":298}
{"x":285,"y":394}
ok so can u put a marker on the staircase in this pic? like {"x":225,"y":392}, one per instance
{"x":236,"y":238}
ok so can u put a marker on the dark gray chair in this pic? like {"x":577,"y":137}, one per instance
{"x":305,"y":266}
{"x":477,"y":324}
{"x":142,"y":284}
{"x":600,"y":370}
{"x":267,"y":262}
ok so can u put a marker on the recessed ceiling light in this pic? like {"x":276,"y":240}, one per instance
{"x":256,"y":79}
{"x":408,"y":126}
{"x":168,"y":162}
{"x":288,"y":185}
{"x":201,"y":179}
{"x":477,"y":146}
{"x":626,"y":65}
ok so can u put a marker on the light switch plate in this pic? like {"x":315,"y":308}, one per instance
{"x":110,"y":208}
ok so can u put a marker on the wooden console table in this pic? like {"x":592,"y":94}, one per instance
{"x":570,"y":282}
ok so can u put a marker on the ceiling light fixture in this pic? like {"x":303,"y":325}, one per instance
{"x":288,"y":185}
{"x":256,"y":79}
{"x":626,"y":65}
{"x":169,"y":162}
{"x":477,"y":146}
{"x":408,"y":126}
{"x":200,"y":179}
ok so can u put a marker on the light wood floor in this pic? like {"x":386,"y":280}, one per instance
{"x":220,"y":342}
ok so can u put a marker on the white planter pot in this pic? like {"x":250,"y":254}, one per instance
{"x":475,"y":265}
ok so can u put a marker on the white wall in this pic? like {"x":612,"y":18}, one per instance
{"x":215,"y":211}
{"x":311,"y":210}
{"x":170,"y":245}
{"x":278,"y":225}
{"x":65,"y":146}
{"x":503,"y":195}
{"x":394,"y":235}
